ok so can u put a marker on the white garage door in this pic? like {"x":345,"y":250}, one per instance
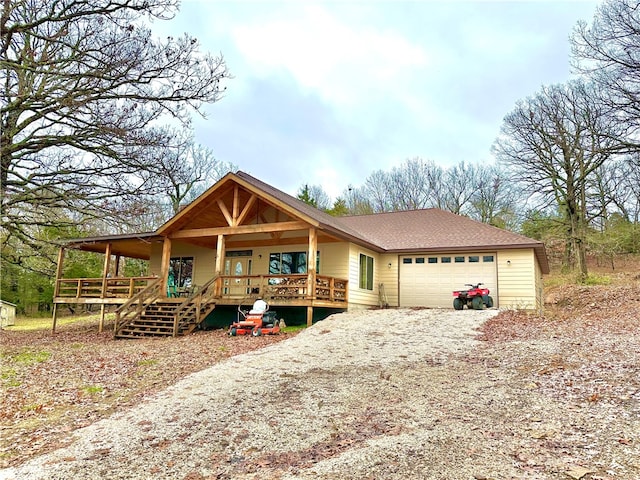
{"x":429,"y":280}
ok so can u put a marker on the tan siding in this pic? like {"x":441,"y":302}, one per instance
{"x":359,"y":297}
{"x":388,"y":276}
{"x":517,"y":279}
{"x":539,"y":289}
{"x":204,"y":260}
{"x":334,"y":260}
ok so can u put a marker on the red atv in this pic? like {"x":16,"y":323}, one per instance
{"x":476,"y":297}
{"x":256,"y":322}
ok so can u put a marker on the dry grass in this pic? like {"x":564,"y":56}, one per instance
{"x":52,"y":384}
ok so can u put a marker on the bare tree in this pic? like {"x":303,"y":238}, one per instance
{"x":459,"y":186}
{"x":82,"y":84}
{"x":494,"y":200}
{"x":356,"y":201}
{"x":554,"y":143}
{"x":411,"y":184}
{"x":377,"y":190}
{"x":608,"y":52}
{"x":414,"y":184}
{"x":184,"y":169}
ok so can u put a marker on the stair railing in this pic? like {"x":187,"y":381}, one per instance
{"x":189,"y":311}
{"x":136,"y":305}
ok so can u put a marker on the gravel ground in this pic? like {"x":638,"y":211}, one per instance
{"x":387,"y":394}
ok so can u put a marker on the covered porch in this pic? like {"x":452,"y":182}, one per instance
{"x":308,"y":290}
{"x":240,"y":240}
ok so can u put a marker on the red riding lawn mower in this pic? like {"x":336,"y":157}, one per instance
{"x":256,"y":322}
{"x":476,"y":297}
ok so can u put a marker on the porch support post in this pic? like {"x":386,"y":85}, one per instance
{"x":164,"y":264}
{"x":56,"y":288}
{"x":309,"y":316}
{"x":101,"y":324}
{"x":105,"y":269}
{"x":220,"y":253}
{"x":117,"y":272}
{"x":105,"y":272}
{"x":311,"y":264}
{"x":311,"y":272}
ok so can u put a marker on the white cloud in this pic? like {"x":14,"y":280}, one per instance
{"x":326,"y":92}
{"x":343,"y":63}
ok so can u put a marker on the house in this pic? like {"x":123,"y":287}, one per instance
{"x":243,"y":239}
{"x":7,"y":314}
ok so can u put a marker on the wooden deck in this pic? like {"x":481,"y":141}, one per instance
{"x":144,"y":309}
{"x":277,"y":290}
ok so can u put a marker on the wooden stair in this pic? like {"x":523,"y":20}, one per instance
{"x":153,"y":316}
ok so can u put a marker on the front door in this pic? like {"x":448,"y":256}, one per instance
{"x":237,"y":267}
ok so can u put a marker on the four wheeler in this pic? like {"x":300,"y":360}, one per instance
{"x":257,"y":321}
{"x":476,"y":297}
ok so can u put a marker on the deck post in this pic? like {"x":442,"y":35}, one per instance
{"x":56,"y":288}
{"x":101,"y":324}
{"x":164,"y":264}
{"x":55,"y":317}
{"x":220,"y":253}
{"x":311,"y":272}
{"x":105,"y":268}
{"x":311,"y":264}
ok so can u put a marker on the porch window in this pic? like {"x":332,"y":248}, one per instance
{"x":180,"y":272}
{"x":290,"y":262}
{"x":366,"y":272}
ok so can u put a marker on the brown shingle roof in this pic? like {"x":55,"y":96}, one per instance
{"x":416,"y":230}
{"x":406,"y":231}
{"x":436,"y":230}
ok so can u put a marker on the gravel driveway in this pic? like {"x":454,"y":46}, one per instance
{"x":348,"y":396}
{"x":386,"y":394}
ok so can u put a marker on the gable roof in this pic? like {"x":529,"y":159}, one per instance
{"x":289,"y":204}
{"x":323,"y":220}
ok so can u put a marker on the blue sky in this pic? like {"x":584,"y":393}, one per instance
{"x":326,"y":92}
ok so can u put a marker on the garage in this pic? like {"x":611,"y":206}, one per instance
{"x":428,"y":280}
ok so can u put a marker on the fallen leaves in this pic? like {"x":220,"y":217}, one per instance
{"x":54,"y":384}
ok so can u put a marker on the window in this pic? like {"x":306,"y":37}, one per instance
{"x":366,"y":272}
{"x":445,"y":259}
{"x":239,"y":253}
{"x":487,"y":258}
{"x":290,"y":262}
{"x":474,"y":259}
{"x":459,"y":259}
{"x":420,"y":260}
{"x":405,"y":260}
{"x":433,"y":260}
{"x":180,"y":272}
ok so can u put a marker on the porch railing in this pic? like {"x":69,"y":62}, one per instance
{"x":135,"y":306}
{"x":282,"y":287}
{"x":274,"y":287}
{"x":191,"y":311}
{"x":123,"y":287}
